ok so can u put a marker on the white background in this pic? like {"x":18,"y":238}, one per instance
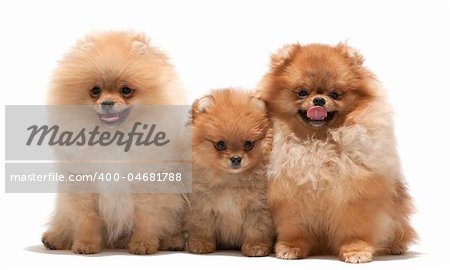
{"x":218,"y":44}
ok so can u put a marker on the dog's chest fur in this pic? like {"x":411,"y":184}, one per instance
{"x":325,"y":167}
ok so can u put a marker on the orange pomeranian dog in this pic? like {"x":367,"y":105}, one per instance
{"x":335,"y":182}
{"x":231,"y":145}
{"x":113,"y":72}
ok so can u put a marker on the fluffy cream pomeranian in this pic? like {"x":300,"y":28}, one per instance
{"x":335,"y":185}
{"x":231,"y":134}
{"x":113,"y":71}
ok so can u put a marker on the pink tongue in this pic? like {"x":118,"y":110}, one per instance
{"x":110,"y":117}
{"x":316,"y":113}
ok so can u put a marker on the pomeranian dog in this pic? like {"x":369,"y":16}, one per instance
{"x":114,"y":71}
{"x":335,"y":182}
{"x":232,"y":136}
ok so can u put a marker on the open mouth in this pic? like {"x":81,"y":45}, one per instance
{"x":316,"y":116}
{"x":113,"y":118}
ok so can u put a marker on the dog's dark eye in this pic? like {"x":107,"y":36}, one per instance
{"x":126,"y":91}
{"x":248,"y":145}
{"x":220,"y":145}
{"x":334,"y":95}
{"x":95,"y":91}
{"x":303,"y":93}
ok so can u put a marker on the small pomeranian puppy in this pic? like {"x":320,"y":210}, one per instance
{"x":231,"y":134}
{"x":335,"y":182}
{"x":113,"y":71}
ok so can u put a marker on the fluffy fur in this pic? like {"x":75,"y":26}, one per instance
{"x":335,"y":184}
{"x":228,"y":204}
{"x":88,"y":222}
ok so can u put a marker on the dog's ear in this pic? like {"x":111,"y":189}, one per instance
{"x":350,"y":53}
{"x":201,"y":105}
{"x":85,"y":45}
{"x":139,"y":47}
{"x":258,"y":103}
{"x":283,"y":55}
{"x":140,"y":44}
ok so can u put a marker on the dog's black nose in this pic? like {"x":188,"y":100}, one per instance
{"x":235,"y":162}
{"x":107,"y":105}
{"x":318,"y":101}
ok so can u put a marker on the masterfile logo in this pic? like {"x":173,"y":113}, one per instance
{"x":72,"y":149}
{"x":84,"y":137}
{"x":77,"y":133}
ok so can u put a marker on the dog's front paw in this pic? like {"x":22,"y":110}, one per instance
{"x":201,"y":246}
{"x":256,"y":250}
{"x":356,"y":257}
{"x":356,"y":252}
{"x":82,"y":247}
{"x":54,"y":241}
{"x":286,"y":252}
{"x":142,"y":248}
